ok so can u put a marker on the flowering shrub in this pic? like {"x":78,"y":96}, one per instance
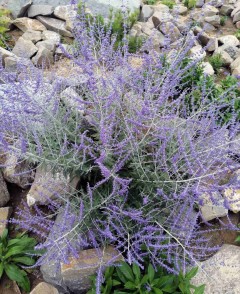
{"x":144,"y":156}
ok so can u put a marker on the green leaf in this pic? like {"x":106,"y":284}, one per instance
{"x":144,"y":280}
{"x":14,"y":273}
{"x":151,"y":273}
{"x":192,"y":273}
{"x":200,"y":290}
{"x":116,"y":283}
{"x":4,"y":235}
{"x":25,"y":241}
{"x":1,"y":269}
{"x":24,"y":260}
{"x":120,"y":275}
{"x":25,"y":285}
{"x":130,"y":285}
{"x":126,"y":270}
{"x":157,"y":291}
{"x":136,"y":271}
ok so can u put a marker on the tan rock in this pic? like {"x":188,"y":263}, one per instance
{"x":4,"y":194}
{"x":25,"y":23}
{"x":44,"y":288}
{"x":233,"y":198}
{"x":5,"y":213}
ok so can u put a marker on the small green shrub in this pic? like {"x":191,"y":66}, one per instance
{"x":169,"y":3}
{"x":131,"y":279}
{"x":14,"y":254}
{"x":216,"y":61}
{"x":190,"y":4}
{"x":150,"y":2}
{"x":4,"y":24}
{"x":237,"y":34}
{"x":223,"y":19}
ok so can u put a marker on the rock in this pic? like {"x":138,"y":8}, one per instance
{"x":170,"y":30}
{"x":215,"y":3}
{"x":53,"y":36}
{"x":5,"y":53}
{"x":24,"y":48}
{"x":226,"y":58}
{"x":213,"y":20}
{"x":44,"y":288}
{"x":212,"y":206}
{"x":55,"y":25}
{"x":43,"y":58}
{"x":209,"y":10}
{"x":235,"y":10}
{"x":17,"y":171}
{"x":179,"y":9}
{"x":160,"y":7}
{"x":47,"y":185}
{"x":33,"y":36}
{"x":70,"y":98}
{"x":197,"y":52}
{"x":146,"y":12}
{"x":236,"y":17}
{"x":229,"y":40}
{"x":65,"y":12}
{"x":158,"y":39}
{"x":203,"y":37}
{"x":220,"y":273}
{"x":236,"y":71}
{"x":4,"y":195}
{"x":48,"y":44}
{"x":76,"y":274}
{"x":212,"y":45}
{"x":208,"y":28}
{"x":25,"y":23}
{"x":232,"y":195}
{"x":18,"y":8}
{"x":226,"y":9}
{"x":237,"y":24}
{"x":199,"y":3}
{"x":147,"y":29}
{"x":235,"y":63}
{"x":36,"y":10}
{"x":5,"y":213}
{"x":207,"y":69}
{"x":160,"y":17}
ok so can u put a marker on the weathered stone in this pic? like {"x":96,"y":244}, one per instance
{"x":213,"y":20}
{"x":4,"y":195}
{"x":148,"y":28}
{"x":229,"y":40}
{"x":24,"y":48}
{"x":180,"y":9}
{"x":237,"y":24}
{"x":33,"y":36}
{"x":146,"y":12}
{"x":209,"y":10}
{"x":212,"y":45}
{"x":158,"y":39}
{"x":197,"y":52}
{"x":202,"y":36}
{"x":17,"y":171}
{"x":235,"y":63}
{"x":215,"y":3}
{"x":207,"y":69}
{"x":48,"y":44}
{"x":226,"y":58}
{"x":18,"y":8}
{"x":76,"y":274}
{"x":53,"y":36}
{"x":160,"y":17}
{"x":65,"y":12}
{"x":55,"y":25}
{"x":46,"y":186}
{"x":25,"y":23}
{"x":199,"y":3}
{"x":220,"y":273}
{"x":212,"y":206}
{"x":236,"y":71}
{"x":232,"y":195}
{"x":226,"y":9}
{"x":43,"y":58}
{"x":36,"y":10}
{"x":44,"y":288}
{"x":235,"y":10}
{"x":236,"y":17}
{"x":208,"y":28}
{"x":160,"y":7}
{"x":170,"y":30}
{"x":5,"y":53}
{"x":5,"y":213}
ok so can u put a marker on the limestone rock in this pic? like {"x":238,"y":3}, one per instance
{"x":220,"y":273}
{"x":25,"y":23}
{"x":4,"y":195}
{"x":50,"y":35}
{"x":36,"y":10}
{"x":48,"y":44}
{"x":236,"y":71}
{"x":24,"y":48}
{"x":65,"y":12}
{"x":197,"y":52}
{"x":43,"y":58}
{"x":18,"y":8}
{"x":33,"y":36}
{"x":236,"y":17}
{"x":229,"y":40}
{"x":226,"y":9}
{"x":146,"y":12}
{"x":179,"y":9}
{"x":55,"y":25}
{"x":76,"y":274}
{"x":226,"y":58}
{"x":5,"y":213}
{"x":199,"y":3}
{"x":44,"y":288}
{"x":235,"y":63}
{"x":207,"y":69}
{"x":170,"y":30}
{"x":5,"y":53}
{"x":160,"y":17}
{"x":209,"y":10}
{"x":213,"y":20}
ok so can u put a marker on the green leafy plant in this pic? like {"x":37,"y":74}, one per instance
{"x":237,"y":34}
{"x":150,"y":2}
{"x":223,"y":19}
{"x":216,"y":61}
{"x":190,"y":4}
{"x":14,"y":255}
{"x":4,"y":24}
{"x":169,"y":3}
{"x":131,"y":279}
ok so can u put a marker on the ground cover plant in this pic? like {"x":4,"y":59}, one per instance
{"x":131,"y":130}
{"x":4,"y":24}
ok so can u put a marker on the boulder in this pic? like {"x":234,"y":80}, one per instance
{"x":213,"y":20}
{"x":24,"y":48}
{"x":179,"y":9}
{"x":65,"y":12}
{"x":146,"y":12}
{"x":220,"y":273}
{"x":236,"y":17}
{"x":44,"y":288}
{"x":170,"y":30}
{"x":209,"y":10}
{"x":48,"y":44}
{"x":36,"y":10}
{"x":235,"y":63}
{"x":197,"y":52}
{"x":236,"y":71}
{"x":5,"y":53}
{"x":226,"y":58}
{"x":5,"y":213}
{"x":25,"y":23}
{"x":160,"y":17}
{"x":52,"y":36}
{"x":199,"y":3}
{"x":18,"y":8}
{"x":207,"y":69}
{"x":226,"y":9}
{"x":4,"y":195}
{"x":229,"y":40}
{"x":55,"y":25}
{"x":235,"y":10}
{"x":33,"y":36}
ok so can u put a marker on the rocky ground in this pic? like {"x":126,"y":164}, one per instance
{"x":38,"y":27}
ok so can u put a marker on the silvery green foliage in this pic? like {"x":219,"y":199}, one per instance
{"x":147,"y":143}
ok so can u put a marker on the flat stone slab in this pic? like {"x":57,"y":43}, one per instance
{"x":55,"y":25}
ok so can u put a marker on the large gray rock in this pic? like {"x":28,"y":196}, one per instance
{"x":146,"y":12}
{"x":55,"y":25}
{"x":160,"y":17}
{"x":33,"y":36}
{"x":51,"y":36}
{"x":18,"y":8}
{"x":220,"y":273}
{"x":25,"y":23}
{"x":5,"y":53}
{"x":36,"y":10}
{"x":24,"y":48}
{"x":170,"y":30}
{"x":65,"y":12}
{"x":44,"y":58}
{"x":213,"y":20}
{"x":44,"y":288}
{"x":4,"y":195}
{"x":48,"y":44}
{"x":226,"y":9}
